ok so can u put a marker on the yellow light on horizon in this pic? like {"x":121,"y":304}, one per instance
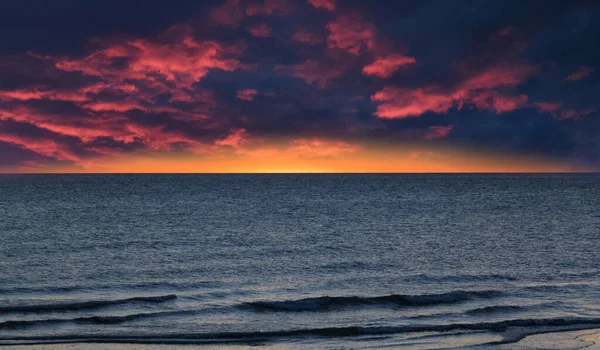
{"x":366,"y":159}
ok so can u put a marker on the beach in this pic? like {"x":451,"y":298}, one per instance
{"x":568,"y":340}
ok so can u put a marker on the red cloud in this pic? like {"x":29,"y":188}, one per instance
{"x":256,"y":10}
{"x":351,"y":33}
{"x":573,"y":114}
{"x":114,"y":128}
{"x":39,"y":94}
{"x":504,"y":31}
{"x":235,"y":139}
{"x":44,"y":146}
{"x":478,"y":90}
{"x":260,"y":30}
{"x":47,"y":148}
{"x":159,"y":139}
{"x":128,"y":75}
{"x":271,"y":7}
{"x":439,"y":131}
{"x":280,"y":7}
{"x":247,"y":94}
{"x":385,"y":67}
{"x":580,"y":73}
{"x":183,"y":61}
{"x":554,"y":109}
{"x":495,"y":77}
{"x":114,"y":86}
{"x":171,"y":64}
{"x":229,"y":14}
{"x":495,"y":101}
{"x":86,"y":127}
{"x":545,"y":107}
{"x":326,"y":4}
{"x":121,"y":106}
{"x":314,"y":72}
{"x":306,"y":37}
{"x":402,"y":103}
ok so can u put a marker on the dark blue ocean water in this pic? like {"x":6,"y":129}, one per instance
{"x":297,"y":261}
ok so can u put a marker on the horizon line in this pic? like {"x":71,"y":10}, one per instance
{"x":304,"y":173}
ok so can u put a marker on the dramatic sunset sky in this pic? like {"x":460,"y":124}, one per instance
{"x":299,"y":86}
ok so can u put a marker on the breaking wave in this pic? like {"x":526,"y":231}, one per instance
{"x":83,"y":305}
{"x":327,"y":303}
{"x":547,"y":324}
{"x":99,"y":320}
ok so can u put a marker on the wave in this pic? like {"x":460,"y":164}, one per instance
{"x":542,"y":325}
{"x":327,"y":303}
{"x":510,"y":308}
{"x":84,"y":305}
{"x":558,"y":286}
{"x":97,"y":320}
{"x":496,"y":309}
{"x":570,"y":274}
{"x":163,"y":285}
{"x":459,"y":278}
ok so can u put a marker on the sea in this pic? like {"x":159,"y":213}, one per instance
{"x":297,"y":261}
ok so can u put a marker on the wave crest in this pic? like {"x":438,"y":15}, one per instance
{"x":208,"y":338}
{"x":327,"y":303}
{"x":84,"y":305}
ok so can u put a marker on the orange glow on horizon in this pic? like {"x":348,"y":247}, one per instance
{"x":316,"y":157}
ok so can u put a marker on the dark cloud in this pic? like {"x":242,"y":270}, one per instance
{"x":81,"y":80}
{"x":13,"y":155}
{"x":66,"y":26}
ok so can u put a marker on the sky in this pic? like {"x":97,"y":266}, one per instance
{"x":299,"y":86}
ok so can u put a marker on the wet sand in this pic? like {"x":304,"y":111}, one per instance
{"x":588,"y":339}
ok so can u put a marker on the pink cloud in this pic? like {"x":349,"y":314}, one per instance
{"x":545,"y":107}
{"x":86,"y":128}
{"x":315,"y":73}
{"x":260,"y":30}
{"x":326,"y":4}
{"x":478,"y":90}
{"x":183,"y":61}
{"x":580,"y":73}
{"x":280,"y":7}
{"x":351,"y":33}
{"x":90,"y":99}
{"x":439,"y":131}
{"x":504,"y":31}
{"x":128,"y":74}
{"x":235,"y":139}
{"x":40,"y":94}
{"x":306,"y":37}
{"x":158,"y":139}
{"x":555,"y":109}
{"x":270,"y":7}
{"x":246,"y":94}
{"x":121,"y":106}
{"x":401,"y":103}
{"x":386,"y":66}
{"x":495,"y":101}
{"x":255,"y":9}
{"x":321,"y":148}
{"x":107,"y":125}
{"x":43,"y":146}
{"x":573,"y":114}
{"x":494,"y":77}
{"x":229,"y":14}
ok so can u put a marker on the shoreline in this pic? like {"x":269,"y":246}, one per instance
{"x":588,"y":339}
